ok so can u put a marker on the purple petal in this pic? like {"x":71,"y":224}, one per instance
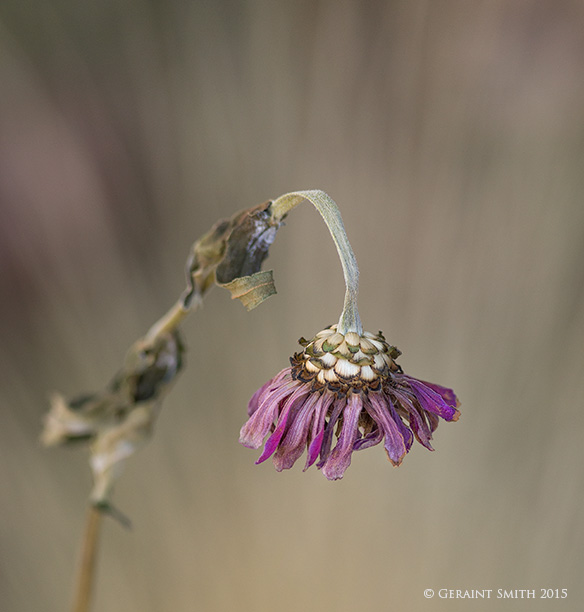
{"x":371,"y":439}
{"x":314,"y":449}
{"x":432,"y":401}
{"x":340,"y":458}
{"x":296,"y":399}
{"x":271,"y":385}
{"x":446,"y":394}
{"x":254,"y":401}
{"x":295,"y":440}
{"x":405,"y":431}
{"x":259,"y":424}
{"x":381,"y":413}
{"x":325,"y":449}
{"x":433,"y":421}
{"x":318,"y":429}
{"x":416,"y":418}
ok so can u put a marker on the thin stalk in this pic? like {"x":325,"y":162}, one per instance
{"x":349,"y":319}
{"x":169,"y":321}
{"x":86,"y":575}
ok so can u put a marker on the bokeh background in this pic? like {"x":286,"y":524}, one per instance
{"x":451,"y":134}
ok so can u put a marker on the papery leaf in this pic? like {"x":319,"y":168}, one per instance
{"x":252,"y":290}
{"x":234,"y":249}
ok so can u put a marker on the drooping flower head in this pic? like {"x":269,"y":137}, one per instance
{"x":346,"y":387}
{"x":344,"y":392}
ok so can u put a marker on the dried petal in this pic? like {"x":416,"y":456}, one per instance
{"x":340,"y":458}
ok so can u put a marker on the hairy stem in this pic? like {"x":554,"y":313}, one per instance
{"x":349,"y":320}
{"x":85,"y":577}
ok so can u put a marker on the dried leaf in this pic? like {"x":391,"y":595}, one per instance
{"x":119,"y":419}
{"x":233,"y":248}
{"x":252,"y":290}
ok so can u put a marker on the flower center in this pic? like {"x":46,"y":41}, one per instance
{"x":345,"y":362}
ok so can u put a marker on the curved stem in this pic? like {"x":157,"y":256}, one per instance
{"x":86,"y":574}
{"x":349,"y":320}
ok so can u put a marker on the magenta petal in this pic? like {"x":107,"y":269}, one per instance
{"x":405,"y":431}
{"x":260,"y":422}
{"x":318,"y":429}
{"x":420,"y":428}
{"x":340,"y":458}
{"x":395,"y":445}
{"x":433,"y":421}
{"x":431,"y":401}
{"x":254,"y":401}
{"x":271,"y":385}
{"x":272,"y":444}
{"x":314,"y":449}
{"x":416,"y":419}
{"x":371,"y":439}
{"x":338,"y":406}
{"x":446,"y":394}
{"x":295,"y":440}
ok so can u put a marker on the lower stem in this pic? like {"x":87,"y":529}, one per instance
{"x":86,"y":574}
{"x":169,"y":321}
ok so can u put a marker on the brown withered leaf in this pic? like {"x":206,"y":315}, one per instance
{"x":252,"y":290}
{"x":119,"y":419}
{"x":231,"y":255}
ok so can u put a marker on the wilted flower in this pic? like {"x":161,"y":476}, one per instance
{"x":348,"y":386}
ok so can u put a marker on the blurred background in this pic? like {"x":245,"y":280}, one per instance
{"x":451,"y":135}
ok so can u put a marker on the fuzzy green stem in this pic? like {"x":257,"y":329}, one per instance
{"x":349,"y":320}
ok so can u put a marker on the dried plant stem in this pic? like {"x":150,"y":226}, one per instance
{"x":86,"y":573}
{"x":237,"y":246}
{"x":170,"y":320}
{"x":85,"y":577}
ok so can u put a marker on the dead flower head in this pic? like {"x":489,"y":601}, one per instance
{"x":347,"y":386}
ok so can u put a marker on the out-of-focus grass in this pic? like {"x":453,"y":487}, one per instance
{"x":451,"y":136}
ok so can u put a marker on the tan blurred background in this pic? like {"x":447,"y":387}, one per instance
{"x":451,"y":134}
